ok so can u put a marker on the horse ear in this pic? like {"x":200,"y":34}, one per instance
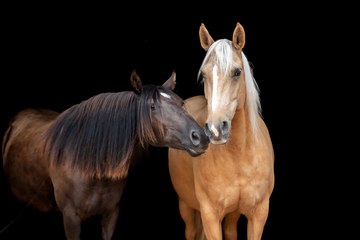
{"x":135,"y":82}
{"x":205,"y":38}
{"x":238,"y":37}
{"x":171,"y":82}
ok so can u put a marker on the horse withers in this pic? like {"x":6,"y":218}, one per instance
{"x":236,"y":174}
{"x":77,"y":161}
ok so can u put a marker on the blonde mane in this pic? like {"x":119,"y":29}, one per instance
{"x":222,"y":53}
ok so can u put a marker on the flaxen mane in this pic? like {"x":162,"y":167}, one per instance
{"x":97,"y":136}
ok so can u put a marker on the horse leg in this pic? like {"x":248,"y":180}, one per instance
{"x":256,"y":221}
{"x":108,"y":223}
{"x":72,"y":224}
{"x":230,"y":225}
{"x":188,"y":215}
{"x":211,"y":222}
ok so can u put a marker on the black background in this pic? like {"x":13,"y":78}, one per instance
{"x":56,"y":56}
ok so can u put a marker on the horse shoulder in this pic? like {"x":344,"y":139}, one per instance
{"x":257,"y":172}
{"x":180,"y":162}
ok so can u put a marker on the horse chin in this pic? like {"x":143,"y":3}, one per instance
{"x":194,"y":153}
{"x":218,"y":141}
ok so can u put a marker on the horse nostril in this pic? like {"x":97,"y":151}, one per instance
{"x":224,"y":127}
{"x":207,"y":131}
{"x":195,"y":138}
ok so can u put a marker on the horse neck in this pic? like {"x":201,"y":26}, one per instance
{"x":241,"y":135}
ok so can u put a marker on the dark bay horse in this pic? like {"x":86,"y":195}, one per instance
{"x":77,"y":161}
{"x":236,"y":174}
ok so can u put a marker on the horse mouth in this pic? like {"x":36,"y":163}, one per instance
{"x":194,"y":153}
{"x":218,"y":142}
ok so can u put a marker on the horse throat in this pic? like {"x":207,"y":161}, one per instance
{"x":241,"y":134}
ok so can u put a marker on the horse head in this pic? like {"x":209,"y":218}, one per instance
{"x":163,"y":122}
{"x":228,"y":83}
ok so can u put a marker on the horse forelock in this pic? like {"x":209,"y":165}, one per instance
{"x":97,"y":136}
{"x":150,"y":95}
{"x":222,"y":54}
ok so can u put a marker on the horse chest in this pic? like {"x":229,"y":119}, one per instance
{"x":254,"y":187}
{"x":232,"y":185}
{"x":99,"y":197}
{"x":86,"y":196}
{"x":218,"y":184}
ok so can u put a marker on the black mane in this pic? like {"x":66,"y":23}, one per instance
{"x":144,"y":128}
{"x":97,"y":136}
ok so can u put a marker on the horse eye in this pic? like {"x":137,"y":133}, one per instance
{"x":152,"y":106}
{"x":237,"y":72}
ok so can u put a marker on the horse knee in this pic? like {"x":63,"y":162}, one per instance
{"x":189,"y":217}
{"x":230,"y":233}
{"x":108,"y":223}
{"x":230,"y":225}
{"x":190,"y":232}
{"x":72,"y":224}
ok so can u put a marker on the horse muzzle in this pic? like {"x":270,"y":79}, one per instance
{"x":218,"y":134}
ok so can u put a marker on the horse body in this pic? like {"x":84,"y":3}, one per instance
{"x":235,"y":178}
{"x":235,"y":175}
{"x":33,"y":181}
{"x":77,"y":161}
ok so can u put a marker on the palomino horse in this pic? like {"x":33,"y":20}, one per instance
{"x":77,"y":162}
{"x":236,"y":174}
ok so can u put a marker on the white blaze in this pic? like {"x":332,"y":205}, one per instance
{"x":213,"y":129}
{"x":215,"y":84}
{"x":165,"y":95}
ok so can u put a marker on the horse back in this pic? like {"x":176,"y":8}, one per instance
{"x":23,"y":162}
{"x":26,"y":129}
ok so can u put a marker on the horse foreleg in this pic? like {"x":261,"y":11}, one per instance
{"x":72,"y":224}
{"x":211,"y":223}
{"x":188,"y":215}
{"x":108,"y":223}
{"x":256,"y":220}
{"x":230,"y":225}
